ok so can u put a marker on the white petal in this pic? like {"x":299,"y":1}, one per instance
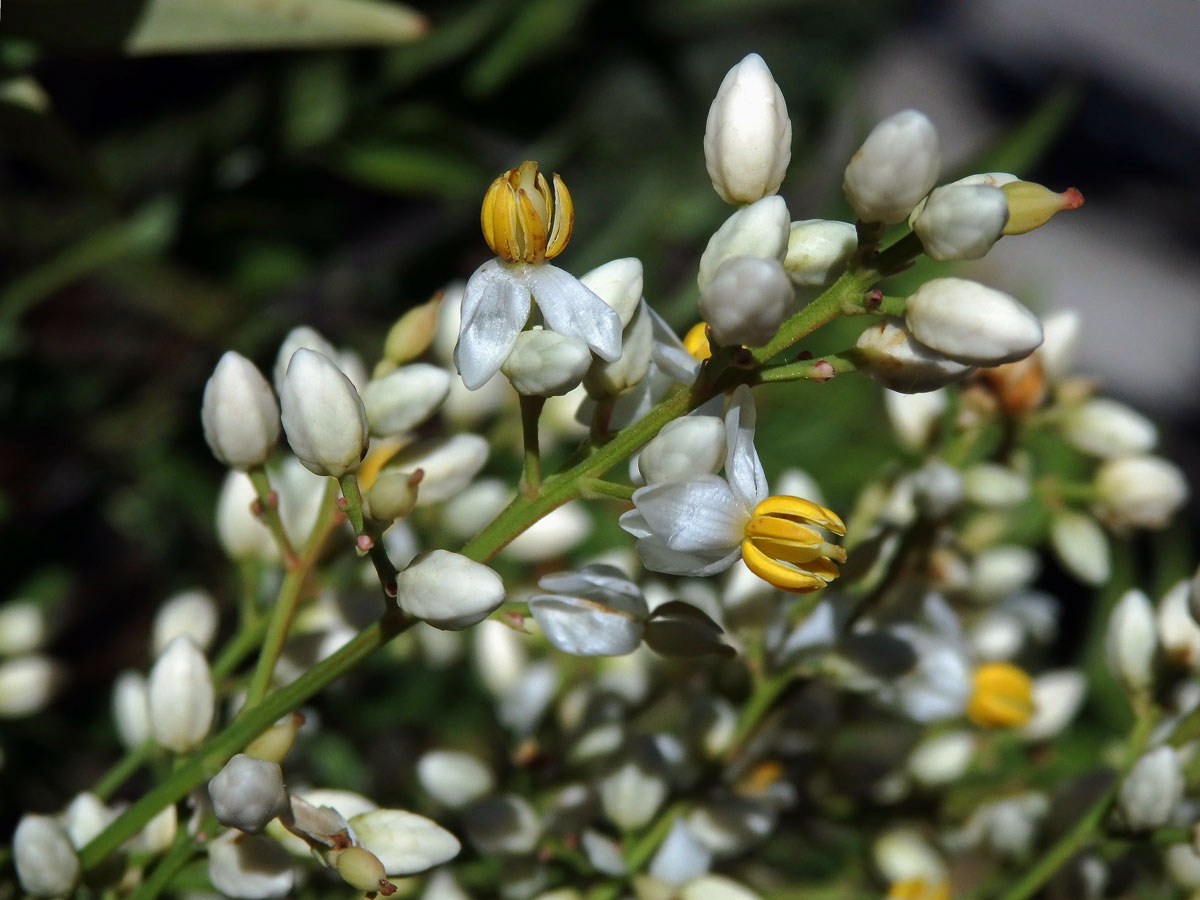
{"x":495,"y":308}
{"x":695,"y":514}
{"x":249,"y":867}
{"x":404,"y":842}
{"x":742,"y":466}
{"x":571,"y":309}
{"x":658,"y":557}
{"x":586,"y":627}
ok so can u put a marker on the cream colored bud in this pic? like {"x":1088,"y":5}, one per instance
{"x":158,"y":834}
{"x":1131,"y":641}
{"x":748,"y":136}
{"x":619,"y":284}
{"x":894,"y":168}
{"x":239,"y":413}
{"x":635,"y":788}
{"x":961,"y":221}
{"x":131,"y":709}
{"x":181,"y":700}
{"x":971,"y":323}
{"x":27,"y":685}
{"x":249,"y":867}
{"x":761,"y":229}
{"x":1139,"y":491}
{"x":623,"y":374}
{"x":991,"y":484}
{"x":1108,"y":429}
{"x":47,"y":865}
{"x":393,"y":495}
{"x":942,"y":759}
{"x":987,"y":179}
{"x":1031,"y":205}
{"x":454,"y":779}
{"x":449,"y":464}
{"x":1057,"y":697}
{"x":889,"y":353}
{"x":1152,"y":789}
{"x":85,"y":817}
{"x":299,"y":337}
{"x":818,"y":251}
{"x":403,"y":842}
{"x":545,"y":363}
{"x":937,"y":488}
{"x":247,"y":793}
{"x":1061,"y":330}
{"x":323,"y":416}
{"x":1178,"y":632}
{"x":448,"y":590}
{"x":404,"y":398}
{"x":412,"y":333}
{"x":692,"y":445}
{"x":1000,"y":571}
{"x":1182,"y":863}
{"x":24,"y":627}
{"x":191,"y":613}
{"x":242,"y":534}
{"x":274,"y":743}
{"x":746,"y":300}
{"x":1080,"y":545}
{"x":914,"y":417}
{"x":902,"y":853}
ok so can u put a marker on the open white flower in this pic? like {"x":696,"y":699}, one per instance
{"x":525,"y":224}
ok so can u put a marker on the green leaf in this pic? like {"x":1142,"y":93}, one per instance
{"x":141,"y":27}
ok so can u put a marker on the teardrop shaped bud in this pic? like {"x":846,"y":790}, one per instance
{"x":239,"y":413}
{"x":760,"y":229}
{"x":894,"y":168}
{"x":449,"y":591}
{"x":972,"y":323}
{"x":818,"y":251}
{"x":746,"y":300}
{"x":323,"y":415}
{"x":1031,"y":205}
{"x":961,"y":221}
{"x":181,"y":699}
{"x":888,"y":352}
{"x":545,"y":363}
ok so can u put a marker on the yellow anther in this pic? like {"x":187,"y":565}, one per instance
{"x":783,"y":546}
{"x":695,"y":341}
{"x":1031,"y":205}
{"x":918,"y":889}
{"x":523,"y":219}
{"x":1001,"y":696}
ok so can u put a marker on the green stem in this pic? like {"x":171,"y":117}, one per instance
{"x":243,"y":642}
{"x":844,"y":293}
{"x":133,"y":759}
{"x":594,"y":488}
{"x":207,"y":760}
{"x":177,"y":856}
{"x":766,"y":692}
{"x":268,"y":511}
{"x":819,"y":370}
{"x":368,"y":534}
{"x":286,"y":602}
{"x":531,"y":410}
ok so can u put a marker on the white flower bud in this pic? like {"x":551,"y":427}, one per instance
{"x":27,"y":685}
{"x":500,"y":656}
{"x":448,"y":590}
{"x":239,"y":413}
{"x":24,"y":627}
{"x":1057,"y":697}
{"x":247,"y":793}
{"x":1182,"y":863}
{"x":552,"y":535}
{"x":503,"y":824}
{"x":323,"y":416}
{"x":546,"y":364}
{"x":158,"y":834}
{"x":894,"y":168}
{"x":191,"y":613}
{"x":1139,"y":491}
{"x":972,"y":323}
{"x":1061,"y":331}
{"x":594,"y":612}
{"x":892,"y":356}
{"x":818,"y":251}
{"x":987,"y":179}
{"x":403,"y":842}
{"x":301,"y":336}
{"x":47,"y":865}
{"x":914,"y":417}
{"x":991,"y":484}
{"x":1080,"y":545}
{"x":449,"y":464}
{"x":393,"y":495}
{"x":999,"y":571}
{"x":761,"y":229}
{"x":85,"y":817}
{"x":404,"y":398}
{"x":901,"y":853}
{"x":131,"y":709}
{"x":1177,"y":630}
{"x":691,"y":445}
{"x":1108,"y":429}
{"x":748,"y":136}
{"x":961,"y":221}
{"x":242,"y":534}
{"x":681,"y":856}
{"x":937,"y":488}
{"x":249,"y":867}
{"x":181,"y":700}
{"x":715,"y":887}
{"x":1131,"y":640}
{"x":746,"y":301}
{"x":619,"y":284}
{"x":603,"y":853}
{"x":942,"y":759}
{"x":454,"y":779}
{"x":621,"y":375}
{"x":633,"y":791}
{"x":1152,"y":789}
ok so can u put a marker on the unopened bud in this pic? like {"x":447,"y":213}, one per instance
{"x":413,"y":332}
{"x":1152,"y":789}
{"x":1131,"y":640}
{"x":972,"y":323}
{"x":454,"y":779}
{"x":746,"y":301}
{"x":619,"y":376}
{"x":619,"y":284}
{"x":636,"y":787}
{"x":47,"y":865}
{"x":1080,"y":545}
{"x":448,"y":590}
{"x":894,"y":168}
{"x":889,"y":353}
{"x":249,"y":867}
{"x":1139,"y":491}
{"x":393,"y":495}
{"x":1177,"y":630}
{"x":239,"y":413}
{"x":942,"y":759}
{"x":299,"y":337}
{"x":242,"y":534}
{"x":692,"y":445}
{"x":748,"y":136}
{"x":247,"y":793}
{"x":181,"y":700}
{"x":404,"y":398}
{"x":131,"y":709}
{"x":961,"y":221}
{"x":27,"y":684}
{"x":86,"y":816}
{"x":191,"y":613}
{"x":991,"y":484}
{"x":914,"y":417}
{"x":274,"y":743}
{"x":546,"y":363}
{"x":761,"y":229}
{"x":818,"y":251}
{"x":449,"y":463}
{"x":1031,"y":205}
{"x":1057,"y":697}
{"x":1108,"y":429}
{"x":323,"y":416}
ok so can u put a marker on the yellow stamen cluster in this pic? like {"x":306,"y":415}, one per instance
{"x":696,"y":343}
{"x":918,"y":889}
{"x":782,"y":547}
{"x":522,"y":219}
{"x":1001,"y":696}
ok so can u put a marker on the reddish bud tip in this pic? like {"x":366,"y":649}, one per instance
{"x":1072,"y":198}
{"x":387,"y":888}
{"x":873,"y":298}
{"x":340,"y":502}
{"x":822,"y":371}
{"x":415,"y":478}
{"x":364,"y":542}
{"x":272,"y":500}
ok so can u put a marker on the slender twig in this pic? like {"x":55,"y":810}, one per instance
{"x":267,"y":510}
{"x":370,"y":537}
{"x":531,"y":411}
{"x":116,"y":776}
{"x":181,"y":850}
{"x":595,"y":488}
